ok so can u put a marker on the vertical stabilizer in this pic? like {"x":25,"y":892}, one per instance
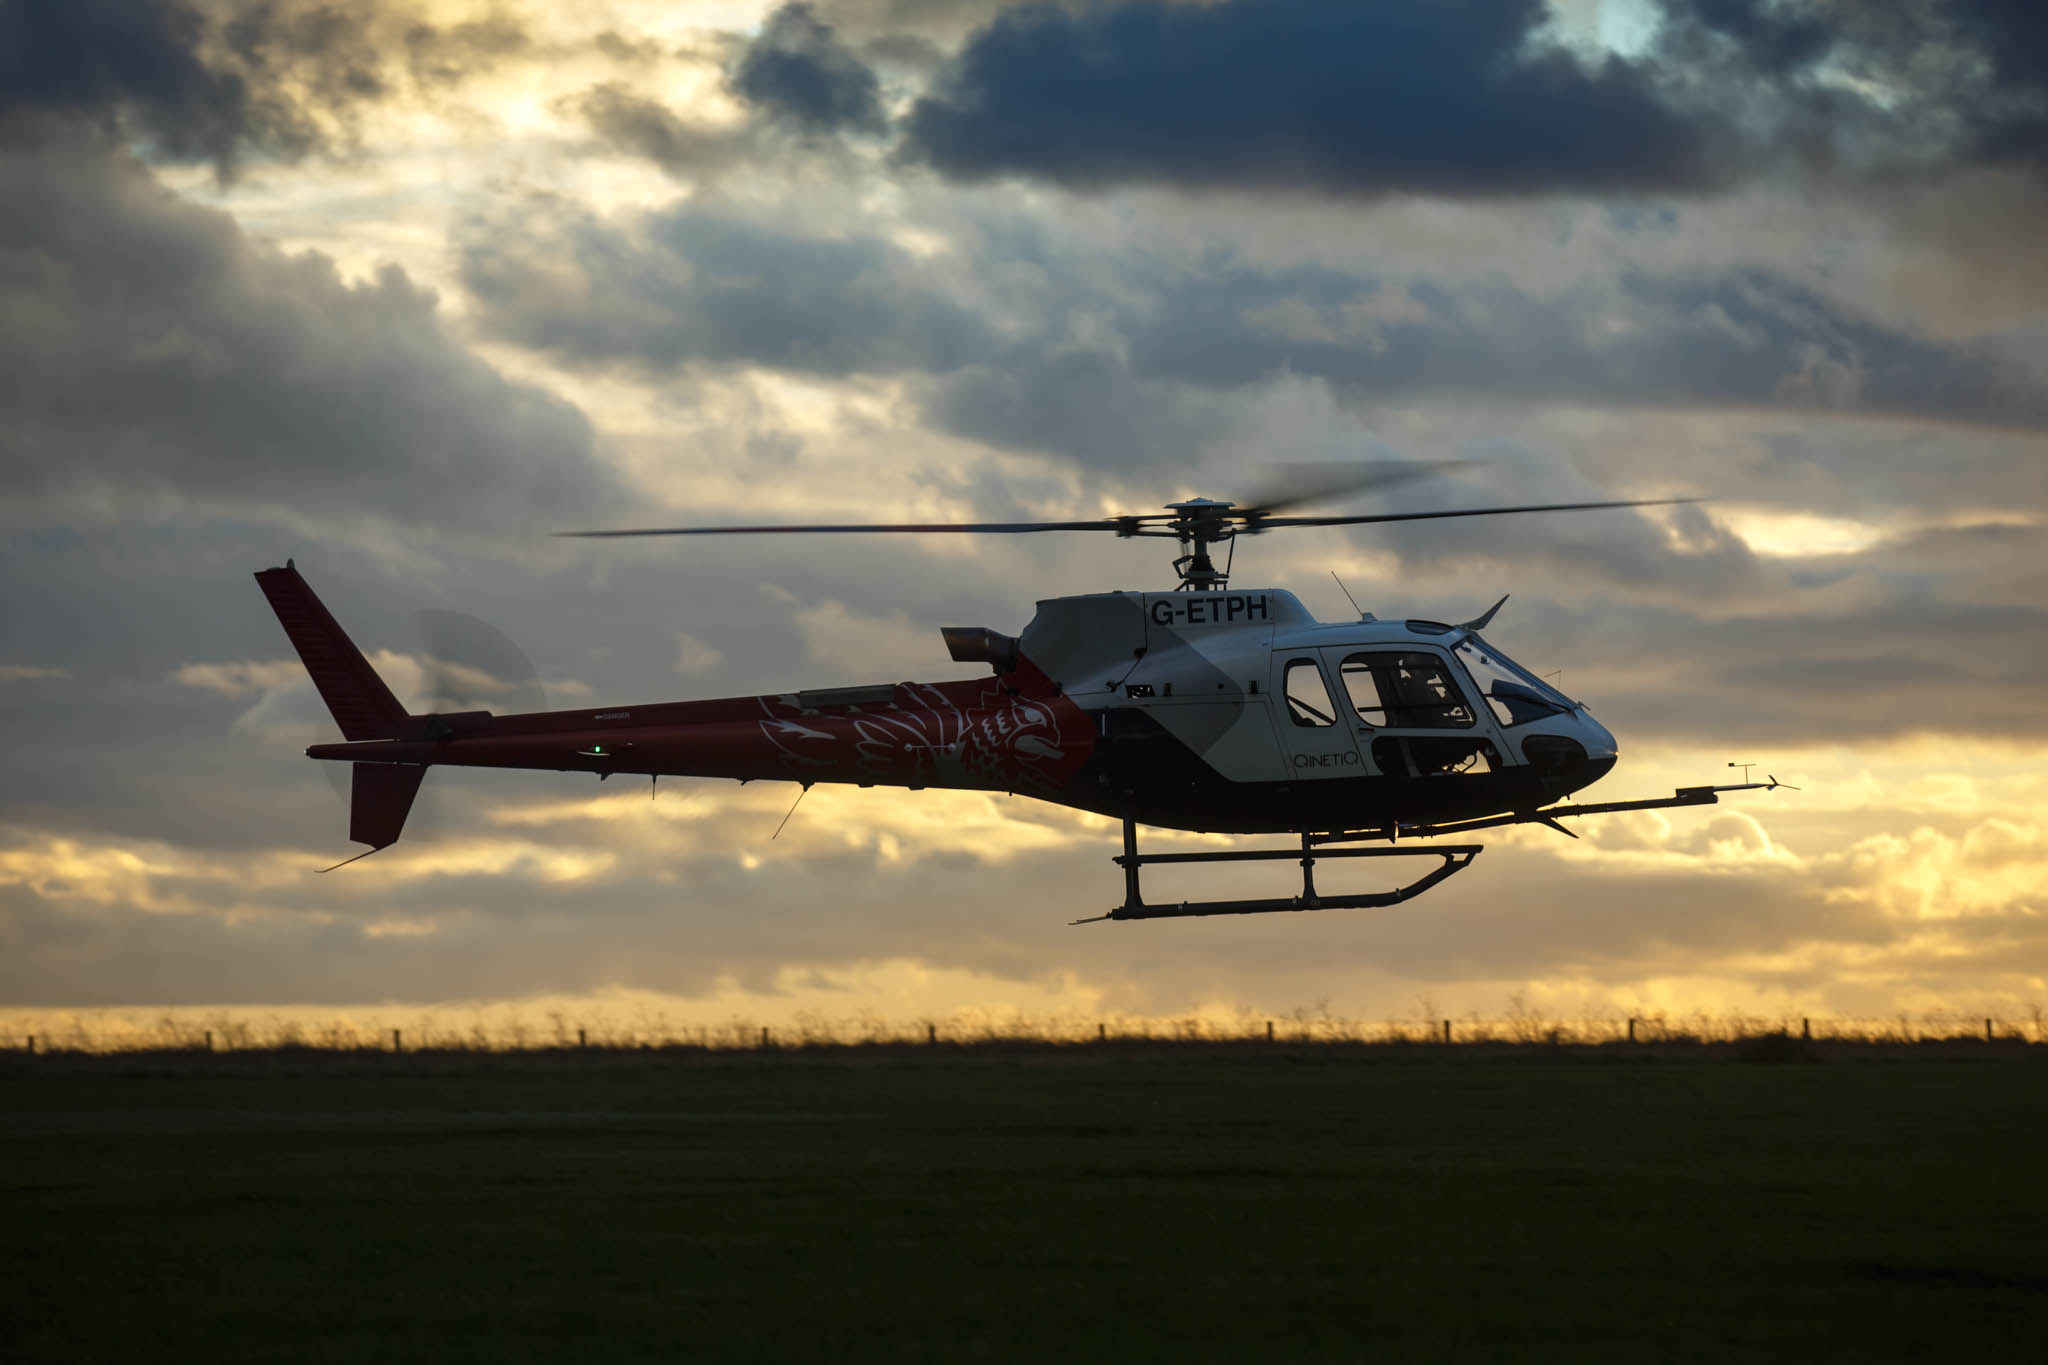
{"x":362,"y":705}
{"x":380,"y":798}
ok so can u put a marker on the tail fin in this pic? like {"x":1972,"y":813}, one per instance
{"x":362,"y":705}
{"x":380,"y":798}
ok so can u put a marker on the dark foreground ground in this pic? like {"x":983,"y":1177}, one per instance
{"x":1047,"y":1205}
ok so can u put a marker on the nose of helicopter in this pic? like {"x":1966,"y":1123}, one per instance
{"x":1601,"y":751}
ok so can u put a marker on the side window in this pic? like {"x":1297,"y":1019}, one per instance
{"x":1308,"y":701}
{"x":1361,"y":685}
{"x":1405,"y":692}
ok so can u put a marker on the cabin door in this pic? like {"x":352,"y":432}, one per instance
{"x":1313,"y":721}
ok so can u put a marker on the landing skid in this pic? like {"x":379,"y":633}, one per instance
{"x":1456,"y":857}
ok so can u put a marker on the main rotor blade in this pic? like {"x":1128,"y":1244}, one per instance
{"x":1296,"y":483}
{"x":1136,"y":525}
{"x":1267,"y":522}
{"x":964,"y":527}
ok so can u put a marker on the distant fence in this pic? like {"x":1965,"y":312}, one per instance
{"x":222,"y":1033}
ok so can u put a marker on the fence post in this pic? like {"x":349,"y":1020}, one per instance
{"x":764,"y":1036}
{"x":931,"y":1034}
{"x":1101,"y":1033}
{"x":31,"y":1045}
{"x":1806,"y":1029}
{"x":209,"y":1040}
{"x":1447,"y":1030}
{"x":397,"y":1041}
{"x":1987,"y":1030}
{"x":582,"y":1039}
{"x":1631,"y":1029}
{"x":1269,"y":1030}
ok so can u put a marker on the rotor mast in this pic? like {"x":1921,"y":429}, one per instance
{"x":1198,"y":524}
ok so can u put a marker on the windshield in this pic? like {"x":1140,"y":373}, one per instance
{"x":1516,"y":695}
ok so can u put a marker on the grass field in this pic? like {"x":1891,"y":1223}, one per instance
{"x":1050,"y":1204}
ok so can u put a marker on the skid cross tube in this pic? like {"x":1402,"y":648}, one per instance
{"x":1456,"y":857}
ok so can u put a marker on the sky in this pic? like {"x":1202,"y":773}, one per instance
{"x":395,"y":289}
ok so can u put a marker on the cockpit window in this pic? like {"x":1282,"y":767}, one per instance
{"x":1308,"y":700}
{"x":1516,"y":695}
{"x":1405,"y":691}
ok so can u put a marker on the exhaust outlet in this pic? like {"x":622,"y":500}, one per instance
{"x":980,"y":645}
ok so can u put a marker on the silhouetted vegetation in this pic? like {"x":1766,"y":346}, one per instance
{"x":1521,"y":1031}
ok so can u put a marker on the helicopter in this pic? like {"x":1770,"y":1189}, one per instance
{"x":1206,"y":708}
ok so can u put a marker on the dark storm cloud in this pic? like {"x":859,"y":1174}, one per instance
{"x":1472,"y":98}
{"x":1772,"y":38}
{"x":2006,"y":116}
{"x":1903,"y":88}
{"x":1456,"y":98}
{"x":97,"y":58}
{"x":213,"y":80}
{"x":1934,"y":85}
{"x":148,"y":351}
{"x":696,"y":288}
{"x":798,"y":70}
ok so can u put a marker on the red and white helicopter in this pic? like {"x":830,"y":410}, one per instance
{"x":1204,"y":708}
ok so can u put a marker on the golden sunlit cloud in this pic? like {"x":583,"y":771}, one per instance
{"x":1798,"y":535}
{"x":240,"y":677}
{"x":891,"y":824}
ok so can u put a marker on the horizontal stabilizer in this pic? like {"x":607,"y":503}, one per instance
{"x":380,"y":800}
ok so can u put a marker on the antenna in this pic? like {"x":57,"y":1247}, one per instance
{"x":791,"y":811}
{"x":1347,"y":595}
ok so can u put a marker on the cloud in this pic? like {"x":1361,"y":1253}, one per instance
{"x":215,"y":80}
{"x":1127,"y":356}
{"x":1473,"y":98}
{"x":687,"y":894}
{"x":1909,"y":88}
{"x":101,"y":58}
{"x":853,"y":645}
{"x":1744,"y":337}
{"x":151,"y":356}
{"x":798,"y":71}
{"x":688,"y":286}
{"x":792,"y":94}
{"x":1456,"y":98}
{"x":31,"y":673}
{"x":694,"y":657}
{"x":649,"y":129}
{"x":1054,"y":339}
{"x":240,"y":677}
